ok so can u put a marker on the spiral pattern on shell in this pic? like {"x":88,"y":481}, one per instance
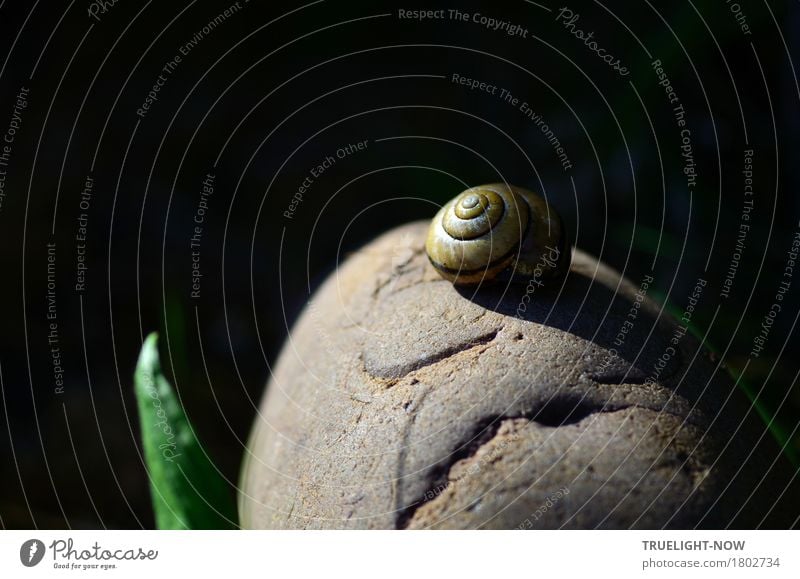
{"x":496,"y":231}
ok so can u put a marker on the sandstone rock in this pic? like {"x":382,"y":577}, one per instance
{"x":400,"y":401}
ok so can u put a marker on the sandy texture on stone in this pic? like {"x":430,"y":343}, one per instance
{"x":400,"y":401}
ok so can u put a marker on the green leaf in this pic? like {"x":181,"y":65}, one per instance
{"x":188,"y":492}
{"x":768,"y":415}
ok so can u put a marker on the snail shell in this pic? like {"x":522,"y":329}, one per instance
{"x":497,"y":232}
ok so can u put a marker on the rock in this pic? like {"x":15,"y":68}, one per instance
{"x":400,"y":401}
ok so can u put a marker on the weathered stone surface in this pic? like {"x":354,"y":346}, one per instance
{"x":400,"y":401}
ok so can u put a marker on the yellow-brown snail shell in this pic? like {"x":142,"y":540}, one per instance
{"x":497,"y":232}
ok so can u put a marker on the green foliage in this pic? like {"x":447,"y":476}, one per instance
{"x":188,"y":492}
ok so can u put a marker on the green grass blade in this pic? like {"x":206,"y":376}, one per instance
{"x":187,"y":491}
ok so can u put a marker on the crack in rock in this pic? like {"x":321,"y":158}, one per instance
{"x":556,"y":413}
{"x":399,"y":371}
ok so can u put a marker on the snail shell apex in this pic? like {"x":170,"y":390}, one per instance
{"x":496,"y":231}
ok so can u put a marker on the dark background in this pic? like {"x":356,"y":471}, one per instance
{"x":271,"y":99}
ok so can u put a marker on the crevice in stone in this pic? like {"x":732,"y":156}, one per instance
{"x":484,"y":431}
{"x":631,"y":376}
{"x":562,"y":411}
{"x":396,"y":373}
{"x":399,"y":269}
{"x":559,"y":411}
